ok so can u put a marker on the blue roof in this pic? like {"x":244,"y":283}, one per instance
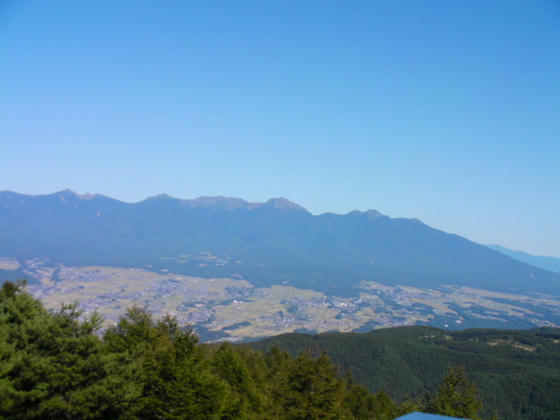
{"x":424,"y":416}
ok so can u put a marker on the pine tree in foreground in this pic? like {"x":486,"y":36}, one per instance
{"x":55,"y":365}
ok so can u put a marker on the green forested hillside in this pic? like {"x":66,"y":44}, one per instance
{"x":518,"y":372}
{"x":56,"y":365}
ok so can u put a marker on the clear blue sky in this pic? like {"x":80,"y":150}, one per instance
{"x":441,"y":110}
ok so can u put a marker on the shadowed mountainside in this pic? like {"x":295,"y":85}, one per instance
{"x":266,"y":243}
{"x":546,"y":263}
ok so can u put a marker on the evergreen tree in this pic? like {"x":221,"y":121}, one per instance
{"x":457,"y":396}
{"x":52,"y":365}
{"x":242,"y":398}
{"x":172,"y":372}
{"x":313,"y":390}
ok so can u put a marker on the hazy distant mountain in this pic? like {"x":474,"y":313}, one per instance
{"x":266,"y":243}
{"x":546,"y":263}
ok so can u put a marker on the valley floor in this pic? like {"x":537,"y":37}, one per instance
{"x":233,"y":309}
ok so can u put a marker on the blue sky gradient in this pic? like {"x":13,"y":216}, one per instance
{"x":444,"y":111}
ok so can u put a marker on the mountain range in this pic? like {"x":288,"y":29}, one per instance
{"x":276,"y":242}
{"x":546,"y":263}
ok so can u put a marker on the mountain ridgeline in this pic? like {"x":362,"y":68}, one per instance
{"x":546,"y":263}
{"x":276,"y":242}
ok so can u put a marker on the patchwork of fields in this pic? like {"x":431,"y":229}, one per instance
{"x":233,"y":309}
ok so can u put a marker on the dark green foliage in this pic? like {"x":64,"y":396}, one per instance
{"x":167,"y":366}
{"x":56,"y":366}
{"x":312,"y":389}
{"x":515,"y":382}
{"x":242,"y":395}
{"x":364,"y":405}
{"x":457,"y":396}
{"x":52,"y":365}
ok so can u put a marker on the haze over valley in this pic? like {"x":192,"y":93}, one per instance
{"x":237,"y":270}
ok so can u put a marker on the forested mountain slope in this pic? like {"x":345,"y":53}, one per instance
{"x":518,"y":372}
{"x":266,"y":243}
{"x":55,"y":365}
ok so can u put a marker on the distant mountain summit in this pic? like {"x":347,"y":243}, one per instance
{"x":275,"y":242}
{"x":229,"y":203}
{"x":282,"y":204}
{"x":546,"y":263}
